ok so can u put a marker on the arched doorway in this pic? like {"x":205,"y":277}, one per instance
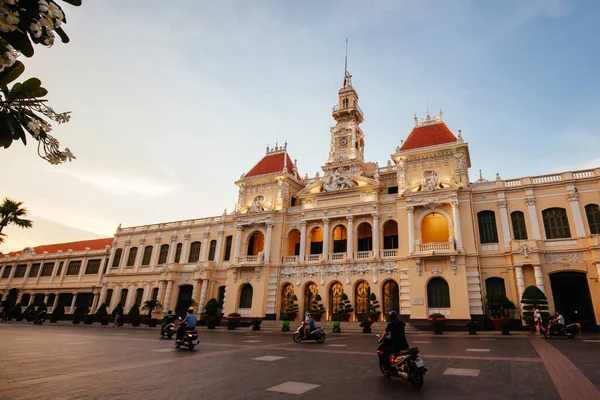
{"x":311,"y":290}
{"x":287,"y":291}
{"x":316,"y":241}
{"x":438,"y":294}
{"x":391,"y":297}
{"x":256,"y":243}
{"x":364,"y":234}
{"x":184,"y":300}
{"x":362,"y":290}
{"x":340,"y":239}
{"x":434,"y":229}
{"x":335,"y":297}
{"x":293,"y":243}
{"x":390,"y":235}
{"x":571,"y":295}
{"x":246,"y":294}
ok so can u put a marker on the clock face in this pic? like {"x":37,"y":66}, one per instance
{"x":343,"y":142}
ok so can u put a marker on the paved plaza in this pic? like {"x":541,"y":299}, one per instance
{"x":94,"y":362}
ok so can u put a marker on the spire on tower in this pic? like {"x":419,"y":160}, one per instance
{"x":347,"y":76}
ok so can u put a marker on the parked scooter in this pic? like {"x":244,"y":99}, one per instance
{"x":190,"y":339}
{"x":569,"y":331}
{"x":168,"y":331}
{"x":317,"y":334}
{"x":406,"y":364}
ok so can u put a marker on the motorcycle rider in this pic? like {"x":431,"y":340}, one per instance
{"x":40,"y":314}
{"x":309,"y":325}
{"x":558,"y":322}
{"x":397,"y":331}
{"x":189,"y":322}
{"x":166,"y":320}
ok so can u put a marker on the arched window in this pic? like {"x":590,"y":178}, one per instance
{"x":107,"y":298}
{"x":518,"y":224}
{"x":390,"y":235}
{"x":164,"y":253}
{"x":345,"y":103}
{"x":495,"y":285}
{"x":336,"y":290}
{"x":293,"y":243}
{"x":228,"y":241}
{"x":177,"y":253}
{"x":117,"y":259}
{"x":211,"y":250}
{"x":361,"y":297}
{"x":316,"y":241}
{"x":154,"y":294}
{"x":391,"y":297}
{"x":434,"y":228}
{"x":256,"y":243}
{"x":438,"y":293}
{"x":194,"y":252}
{"x":287,"y":291}
{"x":340,"y":239}
{"x":123,"y":297}
{"x":592,"y":211}
{"x":132,"y":255}
{"x":147,"y":255}
{"x":487,"y":227}
{"x":556,"y":223}
{"x":364,"y":237}
{"x":246,"y":296}
{"x":139,"y":294}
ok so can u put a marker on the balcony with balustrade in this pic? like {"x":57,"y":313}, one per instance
{"x":251,"y":260}
{"x":289,"y":259}
{"x":434,"y":248}
{"x":337,"y":256}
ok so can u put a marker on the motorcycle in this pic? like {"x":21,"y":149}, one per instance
{"x":168,"y":331}
{"x":317,"y":334}
{"x":406,"y":364}
{"x":40,"y":319}
{"x":190,"y":339}
{"x":569,"y":331}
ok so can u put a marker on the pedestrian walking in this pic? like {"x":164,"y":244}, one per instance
{"x":537,"y":320}
{"x":117,"y":320}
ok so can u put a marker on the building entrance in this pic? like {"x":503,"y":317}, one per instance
{"x":571,"y":295}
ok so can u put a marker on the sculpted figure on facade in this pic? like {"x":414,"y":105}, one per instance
{"x":257,"y":204}
{"x":338,"y":181}
{"x":430,"y":181}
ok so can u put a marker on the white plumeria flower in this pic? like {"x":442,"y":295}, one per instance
{"x":12,"y":17}
{"x":46,"y":127}
{"x":35,"y":127}
{"x":36,"y":29}
{"x":53,"y":10}
{"x":57,"y":23}
{"x":47,"y":22}
{"x":6,"y":26}
{"x":11,"y":2}
{"x":49,"y":40}
{"x":43,"y":5}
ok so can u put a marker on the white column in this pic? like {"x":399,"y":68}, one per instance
{"x":138,"y":256}
{"x":203,"y":295}
{"x":302,"y":241}
{"x":576,"y":210}
{"x":12,"y":273}
{"x":73,"y":303}
{"x":146,"y":296}
{"x":46,"y":299}
{"x":160,"y":291}
{"x":82,"y":268}
{"x":520,"y":281}
{"x":172,"y":248}
{"x":103,"y":264}
{"x":184,"y":249}
{"x":63,"y":271}
{"x":95,"y":303}
{"x":539,"y":279}
{"x":533,"y":218}
{"x":124,"y":255}
{"x":29,"y":264}
{"x":267,"y":256}
{"x":55,"y":301}
{"x":325,"y":238}
{"x":115,"y":296}
{"x":102,"y":294}
{"x":504,"y":221}
{"x":350,"y":248}
{"x":111,"y":256}
{"x":238,"y":239}
{"x":375,"y":231}
{"x":167,"y":294}
{"x":457,"y":230}
{"x":411,"y":229}
{"x":130,"y":297}
{"x":204,"y":247}
{"x":195,"y":290}
{"x":19,"y":295}
{"x":219,"y":250}
{"x":155,"y":251}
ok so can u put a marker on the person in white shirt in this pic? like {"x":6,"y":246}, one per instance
{"x":537,"y":321}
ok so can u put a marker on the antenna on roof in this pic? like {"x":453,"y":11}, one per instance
{"x":346,"y":59}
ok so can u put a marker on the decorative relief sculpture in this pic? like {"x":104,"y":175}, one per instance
{"x":340,"y":179}
{"x":564,"y":258}
{"x":257,"y":204}
{"x":453,"y":264}
{"x":287,"y":272}
{"x":368,"y":196}
{"x":388,"y":268}
{"x":236,"y":274}
{"x":419,"y":266}
{"x":525,"y":249}
{"x":257,"y":273}
{"x":311,"y":272}
{"x":247,"y":279}
{"x":361,"y":270}
{"x":430,"y":181}
{"x":573,"y":196}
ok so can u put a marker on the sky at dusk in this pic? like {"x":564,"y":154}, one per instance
{"x":172,"y":101}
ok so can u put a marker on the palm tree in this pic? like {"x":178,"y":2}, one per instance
{"x":11,"y":213}
{"x":150,"y":306}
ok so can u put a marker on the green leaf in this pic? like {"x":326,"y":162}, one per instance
{"x":20,"y":41}
{"x":11,"y":73}
{"x":63,"y":36}
{"x":76,"y":3}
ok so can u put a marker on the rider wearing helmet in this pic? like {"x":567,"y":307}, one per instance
{"x":166,"y":320}
{"x":397,"y":331}
{"x":189,"y":323}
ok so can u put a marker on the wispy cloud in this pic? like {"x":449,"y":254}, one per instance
{"x":125,"y":183}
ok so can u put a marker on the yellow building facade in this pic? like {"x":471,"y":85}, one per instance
{"x":417,"y":232}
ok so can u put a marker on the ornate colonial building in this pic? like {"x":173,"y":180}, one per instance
{"x":417,"y":232}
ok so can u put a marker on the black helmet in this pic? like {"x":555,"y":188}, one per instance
{"x":393,"y":314}
{"x":170,"y":311}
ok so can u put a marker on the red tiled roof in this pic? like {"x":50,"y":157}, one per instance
{"x":428,"y":135}
{"x":94,"y":244}
{"x":272,"y":163}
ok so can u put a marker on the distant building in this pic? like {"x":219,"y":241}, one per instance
{"x":417,"y":232}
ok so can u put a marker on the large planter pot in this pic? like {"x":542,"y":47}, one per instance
{"x":374,"y":317}
{"x":472,"y":331}
{"x":88,"y":320}
{"x":76,"y":321}
{"x":336,"y":326}
{"x":438,"y":328}
{"x":232,"y":323}
{"x":135,"y":322}
{"x":496,"y":323}
{"x":345,"y":317}
{"x":211,"y":323}
{"x":105,"y":320}
{"x":285,"y":326}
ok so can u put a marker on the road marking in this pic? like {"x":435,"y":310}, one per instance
{"x":163,"y":350}
{"x":77,"y":343}
{"x":423,"y":342}
{"x":22,"y":339}
{"x":336,"y":345}
{"x":293,"y":387}
{"x":251,"y":341}
{"x":591,"y":341}
{"x":268,"y":358}
{"x":462,"y":372}
{"x":480,"y":350}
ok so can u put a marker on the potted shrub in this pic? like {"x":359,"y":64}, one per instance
{"x":233,"y":320}
{"x":292,"y":307}
{"x":346,"y":308}
{"x":317,"y":309}
{"x":102,"y":314}
{"x":438,"y":321}
{"x":29,"y":313}
{"x":256,"y":324}
{"x":134,"y":315}
{"x":150,"y":306}
{"x":472,"y":326}
{"x":504,"y":326}
{"x":285,"y":323}
{"x":336,"y":322}
{"x":373,"y":308}
{"x":498,"y":305}
{"x":531,"y":299}
{"x":366,"y":324}
{"x":80,"y":312}
{"x":17,"y":312}
{"x":57,"y":313}
{"x":210,"y":310}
